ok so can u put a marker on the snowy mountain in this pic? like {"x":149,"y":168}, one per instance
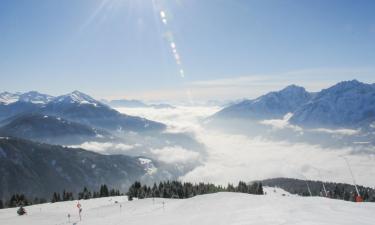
{"x":38,"y":170}
{"x":269,"y":106}
{"x":75,"y":97}
{"x":7,"y":98}
{"x":277,"y":207}
{"x":346,"y":104}
{"x":82,"y":108}
{"x":77,"y":107}
{"x":12,"y":104}
{"x":35,"y":97}
{"x":50,"y":129}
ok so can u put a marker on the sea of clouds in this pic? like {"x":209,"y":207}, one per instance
{"x":234,"y":157}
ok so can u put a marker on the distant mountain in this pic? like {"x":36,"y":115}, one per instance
{"x":135,"y":104}
{"x":40,"y":169}
{"x":7,"y":98}
{"x":346,"y":104}
{"x":75,"y":106}
{"x":35,"y":97}
{"x":16,"y":108}
{"x":12,"y":104}
{"x":81,"y":108}
{"x":269,"y":106}
{"x":50,"y":129}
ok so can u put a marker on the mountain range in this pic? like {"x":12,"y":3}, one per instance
{"x":76,"y":107}
{"x":269,"y":106}
{"x":348,"y":104}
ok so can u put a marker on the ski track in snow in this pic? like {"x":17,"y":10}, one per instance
{"x":220,"y":208}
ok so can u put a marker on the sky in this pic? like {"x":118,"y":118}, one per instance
{"x":183,"y":50}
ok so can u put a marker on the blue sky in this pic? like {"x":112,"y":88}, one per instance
{"x":227,"y":48}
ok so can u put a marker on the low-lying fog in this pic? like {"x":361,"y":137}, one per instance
{"x":230,"y":157}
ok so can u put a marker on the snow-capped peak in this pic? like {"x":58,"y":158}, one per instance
{"x":346,"y":104}
{"x":293,"y":89}
{"x":32,"y":97}
{"x":76,"y":97}
{"x":35,"y":97}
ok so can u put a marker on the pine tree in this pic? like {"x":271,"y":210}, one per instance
{"x":56,"y":197}
{"x":104,"y":191}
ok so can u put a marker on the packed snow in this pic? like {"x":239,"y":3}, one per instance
{"x":277,"y":207}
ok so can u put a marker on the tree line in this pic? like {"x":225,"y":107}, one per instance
{"x":177,"y":189}
{"x":340,"y":191}
{"x":17,"y":200}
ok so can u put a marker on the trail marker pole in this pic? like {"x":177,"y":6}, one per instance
{"x":79,"y":211}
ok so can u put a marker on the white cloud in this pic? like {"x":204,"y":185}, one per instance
{"x":104,"y":147}
{"x":346,"y":132}
{"x":283,"y":123}
{"x":175,"y":154}
{"x":237,"y":157}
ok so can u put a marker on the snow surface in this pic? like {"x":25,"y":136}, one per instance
{"x":219,"y":208}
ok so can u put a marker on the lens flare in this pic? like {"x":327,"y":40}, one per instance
{"x":169,"y":37}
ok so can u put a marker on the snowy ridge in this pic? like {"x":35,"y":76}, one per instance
{"x":269,"y":106}
{"x":7,"y":98}
{"x":346,"y":104}
{"x":220,"y":208}
{"x":76,"y":97}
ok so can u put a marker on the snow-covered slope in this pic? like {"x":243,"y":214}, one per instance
{"x":220,"y":208}
{"x":269,"y":106}
{"x":346,"y":104}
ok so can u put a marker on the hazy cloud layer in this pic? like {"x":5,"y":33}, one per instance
{"x":175,"y":154}
{"x":237,"y":157}
{"x":104,"y":147}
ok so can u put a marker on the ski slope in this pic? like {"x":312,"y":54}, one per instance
{"x":222,"y":208}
